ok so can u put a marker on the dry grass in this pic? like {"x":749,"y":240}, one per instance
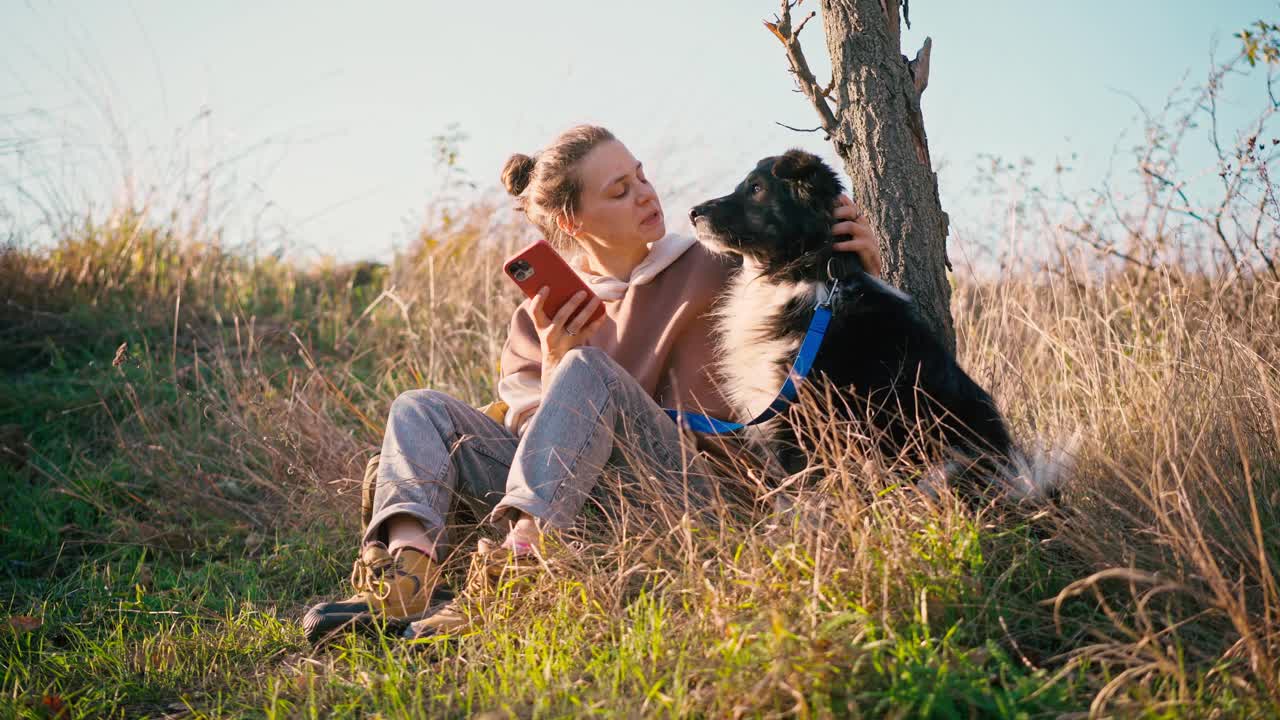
{"x":250,"y":394}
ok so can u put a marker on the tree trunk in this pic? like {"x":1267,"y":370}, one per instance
{"x":880,"y":137}
{"x":878,"y":131}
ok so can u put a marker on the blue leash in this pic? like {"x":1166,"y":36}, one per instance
{"x":787,"y":395}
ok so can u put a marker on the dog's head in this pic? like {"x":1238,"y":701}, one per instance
{"x":779,"y":216}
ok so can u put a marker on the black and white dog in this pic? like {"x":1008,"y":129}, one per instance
{"x":879,"y":353}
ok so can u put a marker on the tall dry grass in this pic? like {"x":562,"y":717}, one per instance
{"x":1154,"y":580}
{"x":1172,"y":511}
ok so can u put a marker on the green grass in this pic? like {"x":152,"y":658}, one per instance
{"x":216,"y":630}
{"x":177,"y":512}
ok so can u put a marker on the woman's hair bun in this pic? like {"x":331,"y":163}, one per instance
{"x":517,"y":173}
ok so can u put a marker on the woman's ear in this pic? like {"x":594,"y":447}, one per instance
{"x":567,"y":226}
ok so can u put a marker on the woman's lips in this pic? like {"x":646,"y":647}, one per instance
{"x":653,"y":218}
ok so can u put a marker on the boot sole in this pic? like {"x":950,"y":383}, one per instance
{"x":325,"y":620}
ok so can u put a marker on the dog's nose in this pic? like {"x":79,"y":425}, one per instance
{"x":697,"y":212}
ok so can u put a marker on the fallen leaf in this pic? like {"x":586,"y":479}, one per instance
{"x":54,"y":705}
{"x":305,"y":682}
{"x":24,"y":623}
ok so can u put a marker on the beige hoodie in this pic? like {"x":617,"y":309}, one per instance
{"x":658,"y":327}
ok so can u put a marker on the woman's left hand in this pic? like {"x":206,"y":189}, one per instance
{"x":854,"y":224}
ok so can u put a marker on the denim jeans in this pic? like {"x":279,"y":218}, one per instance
{"x":592,"y":414}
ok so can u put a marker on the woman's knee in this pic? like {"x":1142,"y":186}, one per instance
{"x":591,"y":359}
{"x":587,"y":372}
{"x":417,"y":405}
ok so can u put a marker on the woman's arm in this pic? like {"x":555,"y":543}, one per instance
{"x":565,"y":330}
{"x":861,"y":240}
{"x":521,"y":363}
{"x":534,"y":347}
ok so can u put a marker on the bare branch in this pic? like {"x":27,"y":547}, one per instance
{"x":1175,"y":187}
{"x":1088,"y":235}
{"x":800,"y":67}
{"x":804,"y":22}
{"x":807,"y":130}
{"x":919,"y":68}
{"x":773,"y":28}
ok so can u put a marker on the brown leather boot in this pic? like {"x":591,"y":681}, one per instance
{"x":390,"y":592}
{"x":492,"y":567}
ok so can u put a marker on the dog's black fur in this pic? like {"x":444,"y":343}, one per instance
{"x":879,"y":352}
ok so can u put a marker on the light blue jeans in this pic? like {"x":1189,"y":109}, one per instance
{"x":593,"y":413}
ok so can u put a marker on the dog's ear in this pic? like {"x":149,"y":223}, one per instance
{"x":807,"y":170}
{"x":796,"y":165}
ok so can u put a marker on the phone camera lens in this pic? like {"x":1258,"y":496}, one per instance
{"x":520,"y":270}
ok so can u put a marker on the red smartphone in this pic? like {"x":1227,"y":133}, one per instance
{"x":539,"y":264}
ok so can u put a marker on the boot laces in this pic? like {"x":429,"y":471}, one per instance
{"x":369,"y":575}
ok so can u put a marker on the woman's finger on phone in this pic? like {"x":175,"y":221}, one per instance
{"x":576,"y":324}
{"x":566,"y":311}
{"x":537,"y":307}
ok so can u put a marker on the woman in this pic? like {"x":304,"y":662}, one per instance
{"x":579,"y":395}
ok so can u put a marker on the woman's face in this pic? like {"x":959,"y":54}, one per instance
{"x":618,"y":206}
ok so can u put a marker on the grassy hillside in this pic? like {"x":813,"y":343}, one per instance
{"x":183,"y":429}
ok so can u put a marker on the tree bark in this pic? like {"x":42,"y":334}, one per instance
{"x":877,"y":128}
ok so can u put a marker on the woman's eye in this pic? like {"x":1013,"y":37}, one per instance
{"x":620,"y":195}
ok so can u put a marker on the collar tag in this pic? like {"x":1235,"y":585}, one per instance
{"x":829,"y":299}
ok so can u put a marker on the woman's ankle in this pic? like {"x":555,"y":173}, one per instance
{"x":406,"y":531}
{"x":427,"y":549}
{"x":525,"y":536}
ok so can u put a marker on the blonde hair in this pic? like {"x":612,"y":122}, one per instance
{"x":548,"y":185}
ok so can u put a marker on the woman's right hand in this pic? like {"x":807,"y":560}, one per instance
{"x":559,"y":334}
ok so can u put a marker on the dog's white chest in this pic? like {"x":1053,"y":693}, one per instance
{"x":754,"y":359}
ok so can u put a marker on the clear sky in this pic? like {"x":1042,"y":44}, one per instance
{"x":316,"y":119}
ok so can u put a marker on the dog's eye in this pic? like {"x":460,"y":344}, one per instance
{"x":755,"y":188}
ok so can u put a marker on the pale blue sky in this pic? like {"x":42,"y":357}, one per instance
{"x":317,"y":118}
